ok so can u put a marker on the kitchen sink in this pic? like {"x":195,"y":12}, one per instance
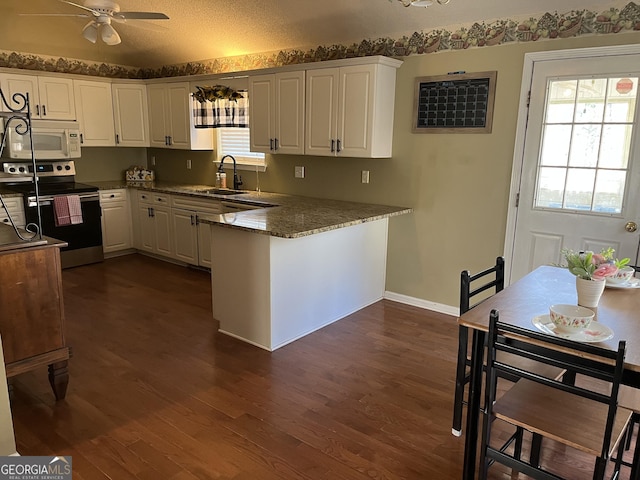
{"x":221,"y":191}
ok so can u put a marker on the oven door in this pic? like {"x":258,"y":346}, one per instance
{"x":84,"y":239}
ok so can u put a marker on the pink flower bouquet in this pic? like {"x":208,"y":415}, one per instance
{"x":589,"y":265}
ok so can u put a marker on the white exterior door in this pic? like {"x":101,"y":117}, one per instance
{"x":580,"y":180}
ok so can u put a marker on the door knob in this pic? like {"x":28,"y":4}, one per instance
{"x":631,"y":227}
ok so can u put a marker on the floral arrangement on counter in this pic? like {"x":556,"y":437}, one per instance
{"x":593,"y":266}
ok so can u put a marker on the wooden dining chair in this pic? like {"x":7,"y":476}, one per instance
{"x":628,"y":398}
{"x":579,"y":417}
{"x":490,"y":280}
{"x":474,"y":289}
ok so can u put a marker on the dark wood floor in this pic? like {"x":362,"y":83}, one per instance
{"x":156,"y":393}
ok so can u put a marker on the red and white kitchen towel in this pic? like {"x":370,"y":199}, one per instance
{"x":67,"y":210}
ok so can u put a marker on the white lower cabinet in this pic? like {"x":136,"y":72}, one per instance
{"x":193,"y":237}
{"x":168,"y":225}
{"x":154,"y":224}
{"x":116,"y":220}
{"x":16,"y":210}
{"x":186,"y":235}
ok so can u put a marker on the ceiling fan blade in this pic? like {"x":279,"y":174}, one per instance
{"x":141,"y":24}
{"x":81,"y":15}
{"x":93,"y":12}
{"x":140,"y":15}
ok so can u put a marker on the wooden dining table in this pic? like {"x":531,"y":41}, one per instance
{"x":528,"y":298}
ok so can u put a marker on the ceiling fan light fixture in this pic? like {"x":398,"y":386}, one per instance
{"x":109,"y":35}
{"x":422,"y":3}
{"x":90,"y":32}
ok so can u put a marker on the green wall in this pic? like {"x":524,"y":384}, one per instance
{"x":103,"y":163}
{"x":457,"y":184}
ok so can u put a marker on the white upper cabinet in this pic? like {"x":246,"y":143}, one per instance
{"x":171,"y":122}
{"x":131,"y":115}
{"x":349,"y":110}
{"x":276,"y":117}
{"x":95,"y":114}
{"x":51,"y":98}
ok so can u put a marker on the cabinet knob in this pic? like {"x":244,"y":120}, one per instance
{"x":112,"y":196}
{"x":44,"y":110}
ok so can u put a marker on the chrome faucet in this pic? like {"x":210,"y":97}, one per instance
{"x":237,"y":179}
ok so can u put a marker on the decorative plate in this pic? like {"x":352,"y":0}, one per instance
{"x":630,"y":284}
{"x":596,"y":332}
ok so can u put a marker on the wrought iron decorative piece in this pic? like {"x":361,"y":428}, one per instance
{"x":20,"y":115}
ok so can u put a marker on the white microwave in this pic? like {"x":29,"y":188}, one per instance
{"x":52,"y":140}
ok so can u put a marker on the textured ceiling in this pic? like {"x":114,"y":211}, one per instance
{"x":206,"y":29}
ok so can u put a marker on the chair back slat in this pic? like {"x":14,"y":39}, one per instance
{"x":494,"y":277}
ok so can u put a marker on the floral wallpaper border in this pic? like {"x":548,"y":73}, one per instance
{"x":548,"y":26}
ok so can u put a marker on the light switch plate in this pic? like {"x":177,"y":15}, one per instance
{"x":365,"y":176}
{"x":299,"y":172}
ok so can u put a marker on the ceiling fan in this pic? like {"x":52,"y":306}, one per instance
{"x":101,"y":13}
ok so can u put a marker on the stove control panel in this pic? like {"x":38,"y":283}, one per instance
{"x":43,"y":169}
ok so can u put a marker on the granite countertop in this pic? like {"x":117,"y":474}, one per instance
{"x":286,"y":216}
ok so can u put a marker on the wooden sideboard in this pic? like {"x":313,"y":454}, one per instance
{"x":32,"y":309}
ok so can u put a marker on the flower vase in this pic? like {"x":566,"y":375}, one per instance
{"x":589,"y":291}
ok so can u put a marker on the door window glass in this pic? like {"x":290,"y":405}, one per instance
{"x":586,"y":143}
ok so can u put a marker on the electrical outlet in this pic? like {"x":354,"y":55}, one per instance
{"x":299,"y":172}
{"x":188,"y":164}
{"x":365,"y":176}
{"x":153,"y":161}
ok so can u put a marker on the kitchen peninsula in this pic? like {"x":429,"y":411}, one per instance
{"x":282,"y":272}
{"x":291,"y":264}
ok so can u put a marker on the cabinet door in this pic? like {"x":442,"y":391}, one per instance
{"x":163,"y":231}
{"x":158,"y":116}
{"x":179,"y":115}
{"x":321,"y":116}
{"x":56,"y":98}
{"x":95,"y":114}
{"x":116,"y":227}
{"x":185,"y":236}
{"x":356,"y":110}
{"x":262,"y":113}
{"x":289,"y":112}
{"x":131,"y":115}
{"x":147,"y":239}
{"x":23,"y":84}
{"x":204,"y":244}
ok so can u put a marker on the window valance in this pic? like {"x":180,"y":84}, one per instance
{"x":220,"y":106}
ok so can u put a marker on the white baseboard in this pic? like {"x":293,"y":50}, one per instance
{"x":421,"y":303}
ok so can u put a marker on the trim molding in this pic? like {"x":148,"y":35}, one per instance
{"x":421,"y":303}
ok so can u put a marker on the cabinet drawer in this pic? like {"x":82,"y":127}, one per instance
{"x":154,"y":198}
{"x":196,"y":204}
{"x":145,"y":196}
{"x":162,"y":199}
{"x":16,"y":210}
{"x":18,"y":218}
{"x":118,"y":195}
